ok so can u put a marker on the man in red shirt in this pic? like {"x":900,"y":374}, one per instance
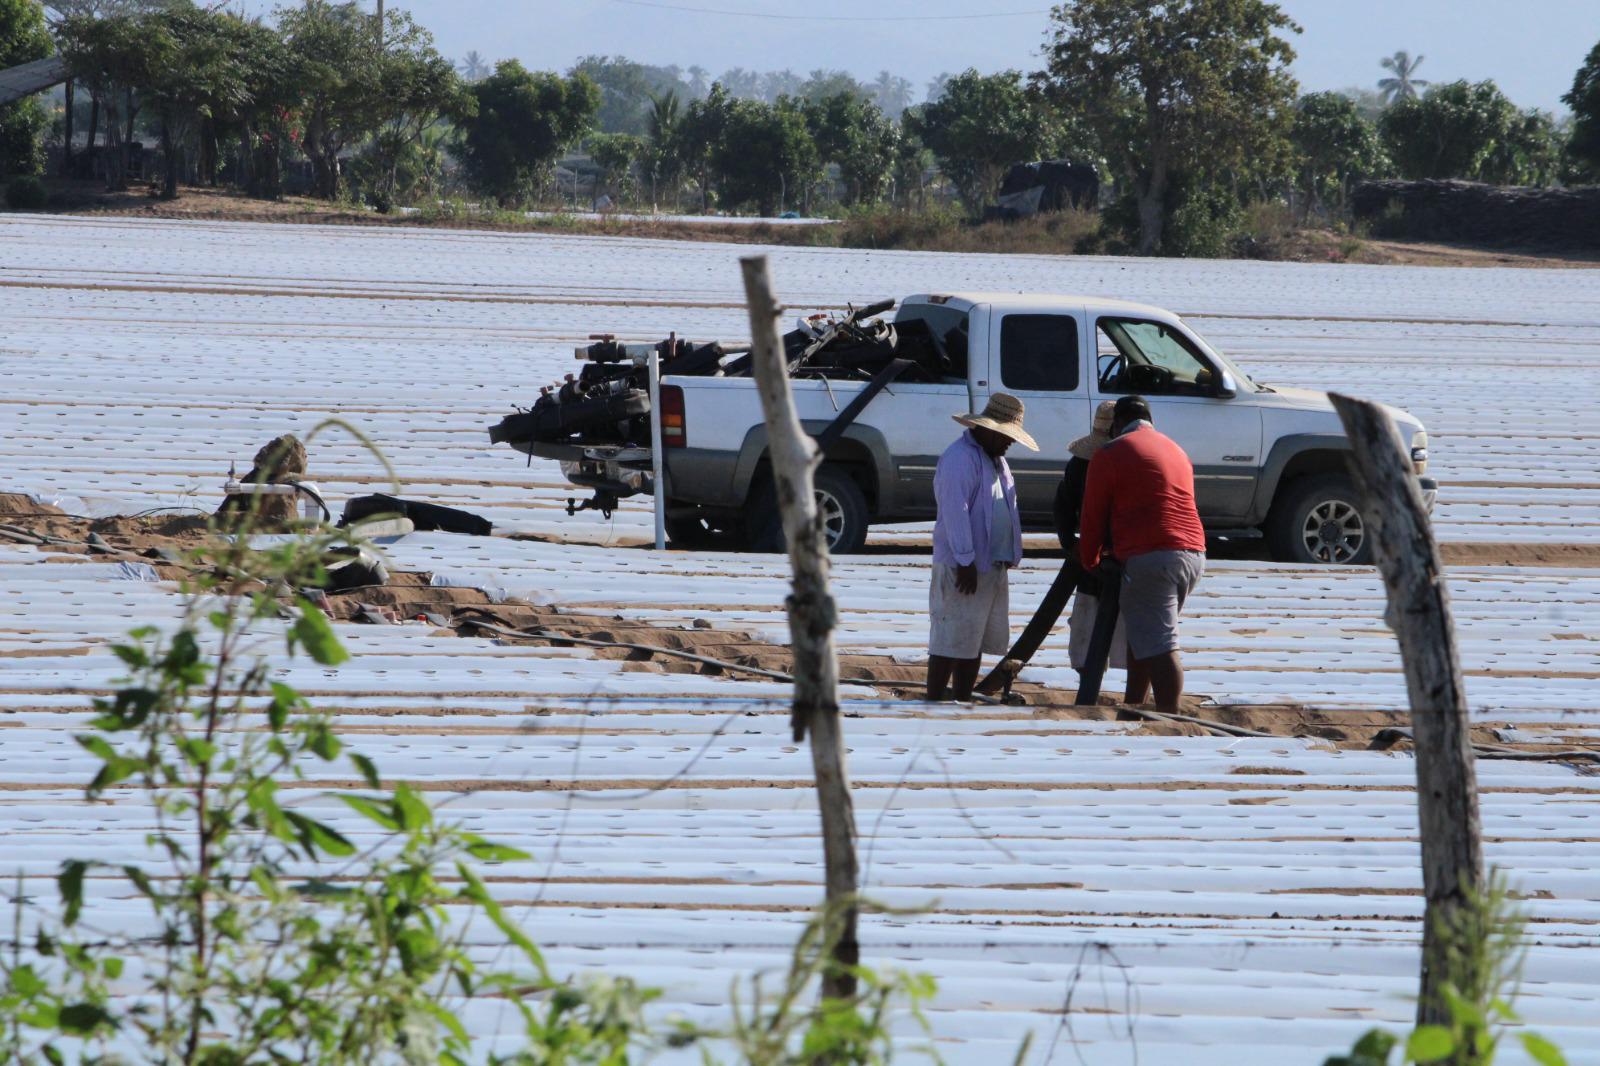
{"x":1138,"y":509}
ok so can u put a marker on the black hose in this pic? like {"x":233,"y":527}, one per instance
{"x":1105,"y":627}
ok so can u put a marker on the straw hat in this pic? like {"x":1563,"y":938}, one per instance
{"x":1100,"y":435}
{"x":1003,"y":415}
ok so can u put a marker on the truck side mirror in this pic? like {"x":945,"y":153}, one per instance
{"x":1226,"y":386}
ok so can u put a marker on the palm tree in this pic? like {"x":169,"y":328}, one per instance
{"x":665,"y":161}
{"x":474,"y":67}
{"x":1402,"y":86}
{"x":892,"y":94}
{"x":699,"y":82}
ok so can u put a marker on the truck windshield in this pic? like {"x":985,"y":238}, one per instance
{"x":939,"y":329}
{"x":1142,"y":356}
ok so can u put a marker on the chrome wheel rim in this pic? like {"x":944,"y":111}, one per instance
{"x":832,"y":514}
{"x":1333,"y":532}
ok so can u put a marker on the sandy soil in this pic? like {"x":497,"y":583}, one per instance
{"x":163,"y":541}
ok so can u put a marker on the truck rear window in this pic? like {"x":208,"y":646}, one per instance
{"x":1039,"y":352}
{"x":940,"y":329}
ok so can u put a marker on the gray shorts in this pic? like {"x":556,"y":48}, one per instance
{"x":965,"y":626}
{"x":1154,"y":587}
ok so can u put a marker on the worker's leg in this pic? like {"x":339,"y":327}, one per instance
{"x":938,"y":676}
{"x":964,"y":677}
{"x":1166,"y":675}
{"x":993,"y":600}
{"x":1138,"y":689}
{"x":1153,"y":593}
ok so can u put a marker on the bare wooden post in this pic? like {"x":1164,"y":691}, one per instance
{"x":811,"y":619}
{"x":1419,"y":614}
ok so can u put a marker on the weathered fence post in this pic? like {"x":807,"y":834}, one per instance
{"x":1419,"y":614}
{"x":811,"y":619}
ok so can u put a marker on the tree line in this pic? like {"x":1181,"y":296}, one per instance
{"x":1191,"y":117}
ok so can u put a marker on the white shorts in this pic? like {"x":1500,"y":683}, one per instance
{"x":1080,"y":628}
{"x":966,"y":626}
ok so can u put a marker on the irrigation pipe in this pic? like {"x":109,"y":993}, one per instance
{"x":545,"y":633}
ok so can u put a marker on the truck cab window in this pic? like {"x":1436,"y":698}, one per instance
{"x":1039,"y":352}
{"x":1149,"y":357}
{"x":935,"y":334}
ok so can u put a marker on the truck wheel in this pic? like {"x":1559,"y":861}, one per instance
{"x":839,"y":498}
{"x":1319,"y":520}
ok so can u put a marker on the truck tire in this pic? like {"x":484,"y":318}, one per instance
{"x":844,"y":514}
{"x":1318,"y":519}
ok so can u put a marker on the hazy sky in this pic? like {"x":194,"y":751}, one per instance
{"x":1531,"y":48}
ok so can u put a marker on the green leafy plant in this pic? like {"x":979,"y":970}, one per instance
{"x":1484,"y":948}
{"x":27,"y":193}
{"x":268,"y":935}
{"x":786,"y":1026}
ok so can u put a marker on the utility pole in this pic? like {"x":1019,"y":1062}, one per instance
{"x":380,"y":25}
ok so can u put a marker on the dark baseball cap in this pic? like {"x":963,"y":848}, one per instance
{"x":1131,"y":409}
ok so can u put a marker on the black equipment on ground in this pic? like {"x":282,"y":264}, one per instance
{"x":426,"y":517}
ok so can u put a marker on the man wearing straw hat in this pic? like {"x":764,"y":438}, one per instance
{"x":977,"y":538}
{"x":1068,"y":508}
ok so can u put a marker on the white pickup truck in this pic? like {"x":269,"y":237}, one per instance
{"x":1265,"y":458}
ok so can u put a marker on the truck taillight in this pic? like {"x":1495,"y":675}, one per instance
{"x":673,"y":429}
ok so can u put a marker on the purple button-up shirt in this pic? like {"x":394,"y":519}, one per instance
{"x":963,"y":490}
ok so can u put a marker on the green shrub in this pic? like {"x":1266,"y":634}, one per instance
{"x":1484,"y":950}
{"x":27,"y":193}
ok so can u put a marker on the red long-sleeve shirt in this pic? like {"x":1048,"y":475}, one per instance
{"x":1140,"y":492}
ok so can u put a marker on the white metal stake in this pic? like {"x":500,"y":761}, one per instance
{"x":657,"y":461}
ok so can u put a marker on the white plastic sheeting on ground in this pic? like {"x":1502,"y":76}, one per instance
{"x":423,"y":338}
{"x":1200,"y":900}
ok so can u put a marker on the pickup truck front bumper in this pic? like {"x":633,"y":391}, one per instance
{"x":1430,"y":492}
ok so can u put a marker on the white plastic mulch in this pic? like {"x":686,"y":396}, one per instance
{"x":1202,"y":900}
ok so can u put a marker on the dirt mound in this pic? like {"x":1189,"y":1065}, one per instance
{"x":280,"y":459}
{"x":153,"y":535}
{"x":1492,"y":554}
{"x":168,"y":530}
{"x":411,"y":596}
{"x":16,"y":504}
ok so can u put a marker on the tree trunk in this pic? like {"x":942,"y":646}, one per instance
{"x":324,"y":175}
{"x":1153,"y":207}
{"x":811,"y":618}
{"x":66,"y":141}
{"x":112,"y":155}
{"x":169,"y":148}
{"x":126,"y":166}
{"x":1419,"y":614}
{"x":208,"y":152}
{"x":94,"y":129}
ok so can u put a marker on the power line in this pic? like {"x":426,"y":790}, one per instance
{"x":829,"y":18}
